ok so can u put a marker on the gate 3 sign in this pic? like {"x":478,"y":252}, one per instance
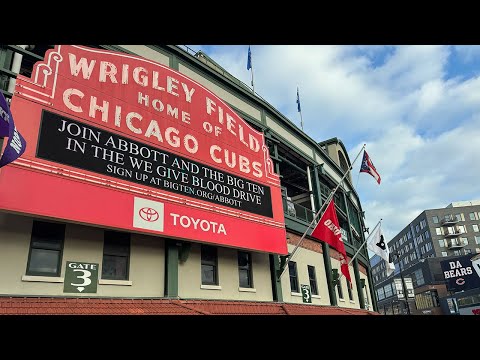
{"x":114,"y":136}
{"x":80,"y":277}
{"x":462,"y":273}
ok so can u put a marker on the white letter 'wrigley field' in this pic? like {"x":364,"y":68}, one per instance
{"x":148,"y":214}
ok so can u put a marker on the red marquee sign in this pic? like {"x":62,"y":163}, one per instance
{"x":120,"y":141}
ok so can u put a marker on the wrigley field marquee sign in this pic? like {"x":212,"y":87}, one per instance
{"x":120,"y":141}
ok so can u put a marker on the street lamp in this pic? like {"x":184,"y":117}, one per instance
{"x":403,"y":282}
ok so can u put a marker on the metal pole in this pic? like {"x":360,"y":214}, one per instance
{"x":321,"y":210}
{"x":251,"y":70}
{"x":403,"y":285}
{"x":301,"y":120}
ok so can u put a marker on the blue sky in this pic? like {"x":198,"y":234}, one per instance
{"x":416,"y":107}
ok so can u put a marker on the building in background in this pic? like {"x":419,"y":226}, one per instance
{"x":147,"y":178}
{"x":434,"y":236}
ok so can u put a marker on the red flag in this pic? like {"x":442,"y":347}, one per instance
{"x":328,"y":230}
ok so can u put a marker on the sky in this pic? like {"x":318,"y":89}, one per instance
{"x":417,"y":109}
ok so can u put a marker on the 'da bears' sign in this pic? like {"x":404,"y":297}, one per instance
{"x":121,"y":141}
{"x":462,"y":273}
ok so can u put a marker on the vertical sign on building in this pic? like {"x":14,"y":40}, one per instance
{"x":306,"y":294}
{"x":80,"y":277}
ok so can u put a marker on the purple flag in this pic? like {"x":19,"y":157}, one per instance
{"x":16,"y":144}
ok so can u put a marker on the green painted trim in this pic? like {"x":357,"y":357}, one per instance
{"x":24,"y":52}
{"x":8,"y":73}
{"x":295,"y":166}
{"x":348,"y":219}
{"x":174,"y":63}
{"x":275,"y":278}
{"x":184,"y":251}
{"x":361,"y":298}
{"x":317,"y":194}
{"x":328,"y":271}
{"x":371,"y":287}
{"x":171,"y":269}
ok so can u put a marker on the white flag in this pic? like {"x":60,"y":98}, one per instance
{"x":378,"y":245}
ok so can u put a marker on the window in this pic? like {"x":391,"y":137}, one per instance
{"x":467,"y":251}
{"x":427,"y":300}
{"x":380,"y":294}
{"x":339,"y":290}
{"x":388,"y":290}
{"x":116,"y":255}
{"x":245,"y":269}
{"x":209,"y":265}
{"x":472,"y":216}
{"x":423,"y":223}
{"x":477,"y":239}
{"x":46,"y":245}
{"x":427,"y":234}
{"x":444,"y":253}
{"x":435,"y":219}
{"x":418,"y":279}
{"x":292,"y":269}
{"x":457,"y":252}
{"x":417,"y":228}
{"x":463,"y":241}
{"x":441,"y":242}
{"x":438,"y":231}
{"x":451,"y":230}
{"x":475,"y":227}
{"x":459,"y":217}
{"x":313,"y":280}
{"x":462,"y":229}
{"x":448,"y":217}
{"x":428,"y":246}
{"x":409,"y":235}
{"x":350,"y":293}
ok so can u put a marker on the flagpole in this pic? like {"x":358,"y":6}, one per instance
{"x":321,"y":210}
{"x":253,"y":86}
{"x":251,"y":70}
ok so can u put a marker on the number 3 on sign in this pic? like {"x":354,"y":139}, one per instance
{"x":86,"y":278}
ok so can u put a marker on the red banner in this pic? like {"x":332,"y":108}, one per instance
{"x":328,"y":230}
{"x":132,"y":144}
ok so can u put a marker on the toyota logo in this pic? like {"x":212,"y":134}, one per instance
{"x":148,"y":214}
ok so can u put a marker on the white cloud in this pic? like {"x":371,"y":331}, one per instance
{"x":421,"y":128}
